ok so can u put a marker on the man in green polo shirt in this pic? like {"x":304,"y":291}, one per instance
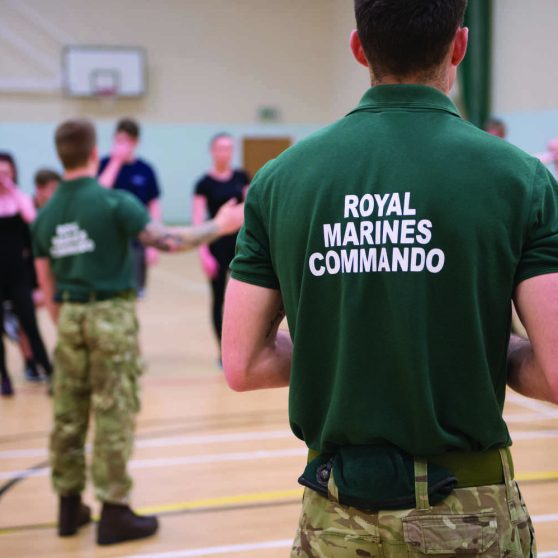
{"x":394,"y":241}
{"x":81,"y":242}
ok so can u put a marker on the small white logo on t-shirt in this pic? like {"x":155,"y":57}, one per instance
{"x":70,"y":240}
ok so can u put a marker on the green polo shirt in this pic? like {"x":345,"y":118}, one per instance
{"x":85,"y":232}
{"x":397,"y":236}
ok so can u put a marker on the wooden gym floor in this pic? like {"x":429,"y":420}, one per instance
{"x":219,"y":468}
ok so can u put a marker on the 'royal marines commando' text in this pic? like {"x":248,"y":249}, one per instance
{"x":377,"y":242}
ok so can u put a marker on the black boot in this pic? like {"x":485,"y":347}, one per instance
{"x":72,"y":515}
{"x":6,"y":388}
{"x":119,"y":523}
{"x":30,"y":372}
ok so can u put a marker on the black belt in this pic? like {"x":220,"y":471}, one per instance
{"x":93,"y":296}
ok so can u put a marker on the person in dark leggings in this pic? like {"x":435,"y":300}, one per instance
{"x":221,"y":184}
{"x":16,"y":211}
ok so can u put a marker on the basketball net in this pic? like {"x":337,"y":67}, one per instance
{"x":106,"y":97}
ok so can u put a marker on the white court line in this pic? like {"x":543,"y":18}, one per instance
{"x":213,"y":550}
{"x":546,"y":409}
{"x":524,"y":417}
{"x":547,"y":554}
{"x":547,"y":518}
{"x":189,"y":460}
{"x":534,"y":434}
{"x":172,"y":441}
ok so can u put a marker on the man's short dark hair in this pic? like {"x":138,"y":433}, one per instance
{"x":407,"y":37}
{"x":128,"y":126}
{"x":75,"y":141}
{"x":44,"y":176}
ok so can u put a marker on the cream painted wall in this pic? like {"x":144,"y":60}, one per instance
{"x":209,"y":60}
{"x":525,"y":54}
{"x":217,"y":61}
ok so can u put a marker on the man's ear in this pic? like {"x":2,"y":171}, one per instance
{"x":460,"y":46}
{"x":358,"y":51}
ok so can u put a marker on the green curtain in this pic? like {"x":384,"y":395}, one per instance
{"x":475,"y":71}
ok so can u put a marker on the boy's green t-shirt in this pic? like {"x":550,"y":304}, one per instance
{"x":85,"y":231}
{"x":397,"y":237}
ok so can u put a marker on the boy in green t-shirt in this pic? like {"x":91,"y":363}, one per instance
{"x":81,"y":244}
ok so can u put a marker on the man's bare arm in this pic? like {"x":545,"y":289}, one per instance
{"x":256,"y":354}
{"x":533,"y":364}
{"x":178,"y":239}
{"x":47,"y":285}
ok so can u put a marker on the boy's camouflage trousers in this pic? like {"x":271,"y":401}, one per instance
{"x":485,"y":521}
{"x":97,"y":366}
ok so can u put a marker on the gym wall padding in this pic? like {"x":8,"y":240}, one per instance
{"x":476,"y":69}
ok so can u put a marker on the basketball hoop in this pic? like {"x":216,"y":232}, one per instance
{"x":106,"y":96}
{"x":105,"y":85}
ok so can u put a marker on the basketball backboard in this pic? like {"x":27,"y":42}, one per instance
{"x":92,"y":71}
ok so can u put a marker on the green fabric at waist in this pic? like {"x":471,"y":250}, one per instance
{"x":477,"y":468}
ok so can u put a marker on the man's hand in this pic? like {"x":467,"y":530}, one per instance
{"x":122,"y":151}
{"x":38,"y":298}
{"x":209,"y":263}
{"x":151,"y":256}
{"x":230,"y":217}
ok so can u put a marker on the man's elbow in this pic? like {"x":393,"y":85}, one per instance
{"x":236,"y":369}
{"x":237,"y":377}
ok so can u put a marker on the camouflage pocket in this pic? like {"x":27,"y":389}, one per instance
{"x":451,"y":534}
{"x":327,"y":529}
{"x":339,"y":545}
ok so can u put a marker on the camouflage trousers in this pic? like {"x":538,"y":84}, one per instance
{"x":486,"y":521}
{"x":97,"y":366}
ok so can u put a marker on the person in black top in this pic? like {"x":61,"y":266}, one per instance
{"x":16,"y":280}
{"x":122,"y":170}
{"x":214,"y":189}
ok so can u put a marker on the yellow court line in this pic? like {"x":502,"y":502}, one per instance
{"x":537,"y":475}
{"x":223,"y":501}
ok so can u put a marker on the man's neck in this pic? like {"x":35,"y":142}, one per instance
{"x":75,"y":174}
{"x":437,"y":79}
{"x":436,"y":84}
{"x":221,"y":170}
